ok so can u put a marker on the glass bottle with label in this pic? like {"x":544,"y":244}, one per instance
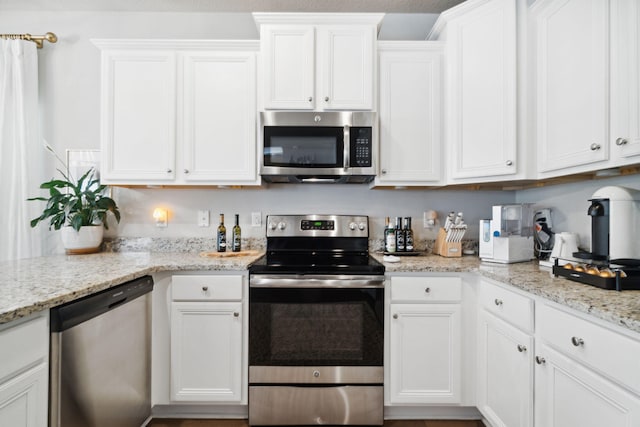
{"x":400,"y":242}
{"x":236,"y":245}
{"x":408,"y":235}
{"x":389,"y":237}
{"x":221,"y":240}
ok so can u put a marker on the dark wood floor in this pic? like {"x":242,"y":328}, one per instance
{"x":243,"y":423}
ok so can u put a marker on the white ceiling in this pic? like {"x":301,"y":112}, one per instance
{"x":387,"y":6}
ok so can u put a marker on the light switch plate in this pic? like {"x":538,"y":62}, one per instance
{"x":203,"y":218}
{"x":256,"y":219}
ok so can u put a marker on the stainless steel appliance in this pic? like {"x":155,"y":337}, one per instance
{"x":316,"y":324}
{"x":325,"y":147}
{"x":614,"y":259}
{"x":508,"y":236}
{"x":100,"y":358}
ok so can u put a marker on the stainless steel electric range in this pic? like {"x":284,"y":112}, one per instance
{"x":316,"y":322}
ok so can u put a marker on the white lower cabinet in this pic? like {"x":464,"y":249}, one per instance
{"x":505,"y":357}
{"x":207,"y":339}
{"x":425,"y":341}
{"x":24,"y":373}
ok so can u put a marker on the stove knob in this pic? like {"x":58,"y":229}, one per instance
{"x":272,"y":225}
{"x":352,"y":226}
{"x":282,"y":225}
{"x":361,"y":226}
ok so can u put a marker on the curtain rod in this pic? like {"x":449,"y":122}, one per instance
{"x":38,"y":40}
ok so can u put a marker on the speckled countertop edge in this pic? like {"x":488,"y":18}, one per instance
{"x":619,"y":308}
{"x":36,"y":284}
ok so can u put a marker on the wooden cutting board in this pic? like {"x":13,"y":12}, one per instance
{"x":228,"y":254}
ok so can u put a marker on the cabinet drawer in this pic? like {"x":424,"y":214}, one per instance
{"x":426,"y":289}
{"x":603,"y":349}
{"x":514,"y":308}
{"x":206,"y":288}
{"x":28,"y":343}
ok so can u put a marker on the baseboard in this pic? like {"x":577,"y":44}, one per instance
{"x":431,"y":413}
{"x":200,"y":411}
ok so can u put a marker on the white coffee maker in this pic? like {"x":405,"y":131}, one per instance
{"x":508,"y":236}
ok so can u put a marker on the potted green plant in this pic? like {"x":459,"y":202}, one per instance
{"x":80,"y":209}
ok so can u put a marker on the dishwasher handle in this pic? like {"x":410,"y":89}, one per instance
{"x":73,"y":313}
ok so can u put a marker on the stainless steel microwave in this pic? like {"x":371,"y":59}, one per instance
{"x":331,"y":147}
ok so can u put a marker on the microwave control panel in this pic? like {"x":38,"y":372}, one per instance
{"x":361,"y":147}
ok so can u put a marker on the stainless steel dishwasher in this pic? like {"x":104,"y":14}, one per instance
{"x":101,"y":358}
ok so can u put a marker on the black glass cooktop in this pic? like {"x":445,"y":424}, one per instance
{"x":316,"y":263}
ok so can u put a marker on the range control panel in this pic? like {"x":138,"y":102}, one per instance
{"x":317,"y":225}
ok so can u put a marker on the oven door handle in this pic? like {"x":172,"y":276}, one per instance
{"x":315,"y":281}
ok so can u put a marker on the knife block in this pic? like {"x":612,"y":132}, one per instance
{"x":446,"y":249}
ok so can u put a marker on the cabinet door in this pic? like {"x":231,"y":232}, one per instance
{"x":570,"y":395}
{"x":572,"y":97}
{"x":482,"y":91}
{"x":219,"y":117}
{"x":346,"y":67}
{"x":625,"y":85}
{"x":425,"y":353}
{"x":505,"y":373}
{"x":23,"y":399}
{"x":288,"y":54}
{"x":410,"y":106}
{"x":138,"y":132}
{"x":206,"y":351}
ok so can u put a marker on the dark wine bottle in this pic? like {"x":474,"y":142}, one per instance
{"x":408,"y":235}
{"x":400,"y":242}
{"x":221,"y":240}
{"x":236,"y":245}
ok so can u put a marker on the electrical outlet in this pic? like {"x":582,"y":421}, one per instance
{"x":203,"y":218}
{"x":429,"y":219}
{"x":256,"y":219}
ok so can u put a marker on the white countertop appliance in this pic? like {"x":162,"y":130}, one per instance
{"x":508,"y":236}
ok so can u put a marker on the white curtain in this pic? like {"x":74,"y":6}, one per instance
{"x":21,"y":150}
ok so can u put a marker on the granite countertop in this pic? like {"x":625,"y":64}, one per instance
{"x":36,"y":284}
{"x":620,"y":308}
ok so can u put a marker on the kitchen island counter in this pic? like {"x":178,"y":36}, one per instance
{"x":620,"y":308}
{"x":36,"y":284}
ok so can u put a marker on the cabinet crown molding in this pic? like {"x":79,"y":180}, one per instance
{"x":173,"y":44}
{"x":449,"y":14}
{"x":262,"y":18}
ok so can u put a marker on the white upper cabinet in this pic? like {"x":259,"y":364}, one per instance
{"x":318,"y":61}
{"x":587,"y":96}
{"x":410,"y":106}
{"x":178,"y":112}
{"x":481,"y":95}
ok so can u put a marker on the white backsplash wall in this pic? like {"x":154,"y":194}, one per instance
{"x":137,"y":207}
{"x":569,"y":203}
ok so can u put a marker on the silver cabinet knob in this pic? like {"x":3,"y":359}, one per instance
{"x":316,"y":374}
{"x":595,"y":147}
{"x":540,"y":360}
{"x":395,"y":316}
{"x":509,"y":163}
{"x":326,"y":99}
{"x":497,"y":302}
{"x":621,"y":141}
{"x":427,"y":290}
{"x":310,"y":99}
{"x":169,"y":171}
{"x":186,"y":171}
{"x":236,"y":314}
{"x":522,"y":348}
{"x":205,"y":288}
{"x":577,"y":341}
{"x":384,"y":171}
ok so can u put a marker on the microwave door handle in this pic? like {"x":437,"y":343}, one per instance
{"x":346,"y":145}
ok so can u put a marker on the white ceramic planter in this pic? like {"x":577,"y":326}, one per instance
{"x":85,"y":241}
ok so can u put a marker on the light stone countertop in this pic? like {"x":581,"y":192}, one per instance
{"x":35,"y":284}
{"x":31,"y":285}
{"x":620,"y":308}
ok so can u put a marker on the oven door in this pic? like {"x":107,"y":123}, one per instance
{"x":322,"y":321}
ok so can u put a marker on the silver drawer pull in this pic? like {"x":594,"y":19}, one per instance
{"x":236,"y":314}
{"x":395,"y":316}
{"x":595,"y":147}
{"x":577,"y":341}
{"x":205,"y":288}
{"x":316,"y":374}
{"x":540,"y":360}
{"x":427,"y":290}
{"x":498,"y":302}
{"x":522,"y":348}
{"x":621,"y":141}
